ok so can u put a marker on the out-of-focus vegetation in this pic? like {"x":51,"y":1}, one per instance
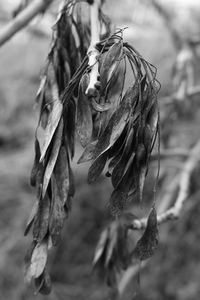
{"x":173,"y":273}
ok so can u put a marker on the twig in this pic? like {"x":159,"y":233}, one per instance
{"x":183,"y":184}
{"x":93,"y":53}
{"x":22,"y":19}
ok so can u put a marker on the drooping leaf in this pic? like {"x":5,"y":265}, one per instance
{"x":117,"y":122}
{"x":53,"y":121}
{"x":31,"y":217}
{"x":110,"y":63}
{"x":35,"y":164}
{"x":120,"y":167}
{"x":87,"y":154}
{"x":38,"y":259}
{"x":57,"y":139}
{"x":148,"y":243}
{"x":84,"y":114}
{"x":57,"y":214}
{"x":69,"y":115}
{"x":97,"y":167}
{"x":41,"y":220}
{"x":43,"y":283}
{"x":61,"y":173}
{"x":27,"y":262}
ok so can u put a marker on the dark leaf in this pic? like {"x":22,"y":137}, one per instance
{"x":56,"y":143}
{"x":38,"y":259}
{"x":148,"y":243}
{"x":41,"y":220}
{"x":31,"y":218}
{"x":69,"y":115}
{"x":57,"y":214}
{"x":43,"y":283}
{"x":84,"y":115}
{"x":97,"y":167}
{"x":35,"y":164}
{"x":87,"y":154}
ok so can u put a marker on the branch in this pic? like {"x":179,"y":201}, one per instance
{"x":22,"y":19}
{"x":93,"y":53}
{"x":183,"y":185}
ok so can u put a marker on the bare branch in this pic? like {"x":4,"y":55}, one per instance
{"x":183,"y":184}
{"x":22,"y":19}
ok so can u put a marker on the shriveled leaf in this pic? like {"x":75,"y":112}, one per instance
{"x":35,"y":164}
{"x":38,"y":259}
{"x":117,"y":122}
{"x":87,"y":154}
{"x":61,"y":172}
{"x":97,"y":167}
{"x":69,"y":115}
{"x":43,"y":283}
{"x":84,"y":114}
{"x":57,"y":139}
{"x":27,"y":262}
{"x":110,"y":63}
{"x":31,"y":218}
{"x":57,"y":214}
{"x":41,"y":220}
{"x":120,"y":167}
{"x":148,"y":243}
{"x":53,"y":121}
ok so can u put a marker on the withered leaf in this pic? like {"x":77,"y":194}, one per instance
{"x":43,"y":283}
{"x":38,"y":259}
{"x":27,"y":261}
{"x":97,"y":167}
{"x":69,"y":115}
{"x":84,"y":115}
{"x":117,"y":122}
{"x":110,"y":63}
{"x":56,"y":143}
{"x":35,"y":164}
{"x":53,"y":121}
{"x":87,"y":154}
{"x":31,"y":217}
{"x":120,"y":167}
{"x":61,"y":172}
{"x":41,"y":220}
{"x":57,"y":213}
{"x":148,"y":243}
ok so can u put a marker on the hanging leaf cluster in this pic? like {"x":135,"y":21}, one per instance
{"x":51,"y":174}
{"x":116,"y":125}
{"x":114,"y":253}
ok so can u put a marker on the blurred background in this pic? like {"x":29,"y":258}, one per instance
{"x":167,"y":33}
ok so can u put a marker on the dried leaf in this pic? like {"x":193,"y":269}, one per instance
{"x":57,"y":214}
{"x":110,"y":63}
{"x":117,"y":122}
{"x":69,"y":115}
{"x":43,"y":283}
{"x":120,"y":168}
{"x":27,"y":262}
{"x":53,"y":121}
{"x":148,"y":243}
{"x":31,"y":218}
{"x":38,"y":259}
{"x":97,"y":167}
{"x":41,"y":220}
{"x":61,"y":172}
{"x":56,"y":143}
{"x":84,"y":115}
{"x":35,"y":164}
{"x":87,"y":154}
